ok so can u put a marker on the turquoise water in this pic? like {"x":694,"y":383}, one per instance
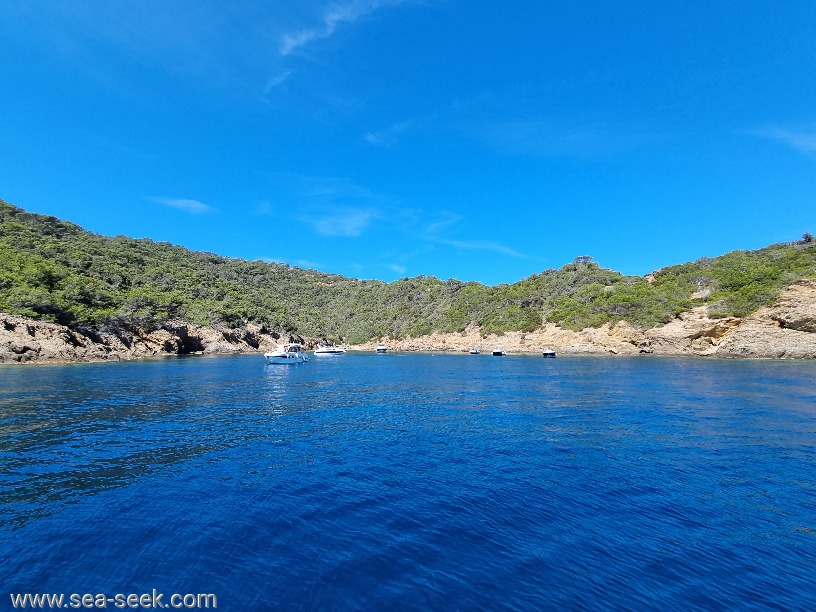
{"x":414,"y":482}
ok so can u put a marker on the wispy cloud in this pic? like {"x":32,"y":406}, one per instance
{"x":544,"y":137}
{"x":483,"y":245}
{"x":389,"y":136}
{"x":277,"y":80}
{"x":305,"y":263}
{"x":343,"y":221}
{"x":190,"y":206}
{"x":332,"y":206}
{"x":339,"y":208}
{"x":803,"y":140}
{"x":333,"y":16}
{"x":239,"y":47}
{"x":300,"y":263}
{"x":441,"y":221}
{"x":222,"y":45}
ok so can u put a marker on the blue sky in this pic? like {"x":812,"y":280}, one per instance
{"x":479,"y":140}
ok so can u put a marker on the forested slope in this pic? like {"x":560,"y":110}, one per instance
{"x":55,"y":271}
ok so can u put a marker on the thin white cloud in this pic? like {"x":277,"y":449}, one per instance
{"x":307,"y":264}
{"x":483,"y":245}
{"x":332,"y":17}
{"x":803,"y":140}
{"x":241,"y":47}
{"x":441,"y":221}
{"x":398,"y":268}
{"x":387,"y":137}
{"x":277,"y":81}
{"x":332,"y":206}
{"x":300,"y":263}
{"x":554,"y":138}
{"x":343,"y":221}
{"x":391,"y":135}
{"x":190,"y":206}
{"x":328,"y":190}
{"x":217,"y":43}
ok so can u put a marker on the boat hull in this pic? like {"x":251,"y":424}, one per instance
{"x":286,"y":354}
{"x":286,"y":359}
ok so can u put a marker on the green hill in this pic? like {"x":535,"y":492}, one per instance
{"x":55,"y":271}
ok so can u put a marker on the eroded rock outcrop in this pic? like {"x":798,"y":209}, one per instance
{"x":784,"y":330}
{"x":24,"y":341}
{"x":691,"y":333}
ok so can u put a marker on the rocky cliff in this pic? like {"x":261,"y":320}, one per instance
{"x":25,"y":341}
{"x":784,"y":330}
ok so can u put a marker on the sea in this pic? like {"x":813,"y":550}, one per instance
{"x":410,"y":482}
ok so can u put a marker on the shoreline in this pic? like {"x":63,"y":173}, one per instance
{"x":784,"y":330}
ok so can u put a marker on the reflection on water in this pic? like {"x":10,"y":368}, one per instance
{"x":441,"y":482}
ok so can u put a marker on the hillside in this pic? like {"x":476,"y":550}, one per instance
{"x":54,"y":271}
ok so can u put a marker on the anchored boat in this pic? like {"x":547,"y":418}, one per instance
{"x":287,"y":354}
{"x":329,"y":349}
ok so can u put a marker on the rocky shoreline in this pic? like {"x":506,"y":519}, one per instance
{"x":26,"y":341}
{"x":784,"y":330}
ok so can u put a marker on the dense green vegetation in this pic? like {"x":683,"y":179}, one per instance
{"x":56,"y":271}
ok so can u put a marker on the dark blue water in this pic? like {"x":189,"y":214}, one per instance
{"x":417,"y":482}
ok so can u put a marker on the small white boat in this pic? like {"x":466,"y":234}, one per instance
{"x":548,"y":353}
{"x":287,"y":354}
{"x":474,"y":350}
{"x":381,"y":348}
{"x":498,"y":352}
{"x":329,"y":349}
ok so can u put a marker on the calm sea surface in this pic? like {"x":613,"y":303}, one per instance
{"x":379,"y":482}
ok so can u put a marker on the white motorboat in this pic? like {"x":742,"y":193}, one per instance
{"x":474,"y":350}
{"x":498,"y":352}
{"x":287,"y":354}
{"x":548,"y":353}
{"x":381,"y":348}
{"x":329,"y":349}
